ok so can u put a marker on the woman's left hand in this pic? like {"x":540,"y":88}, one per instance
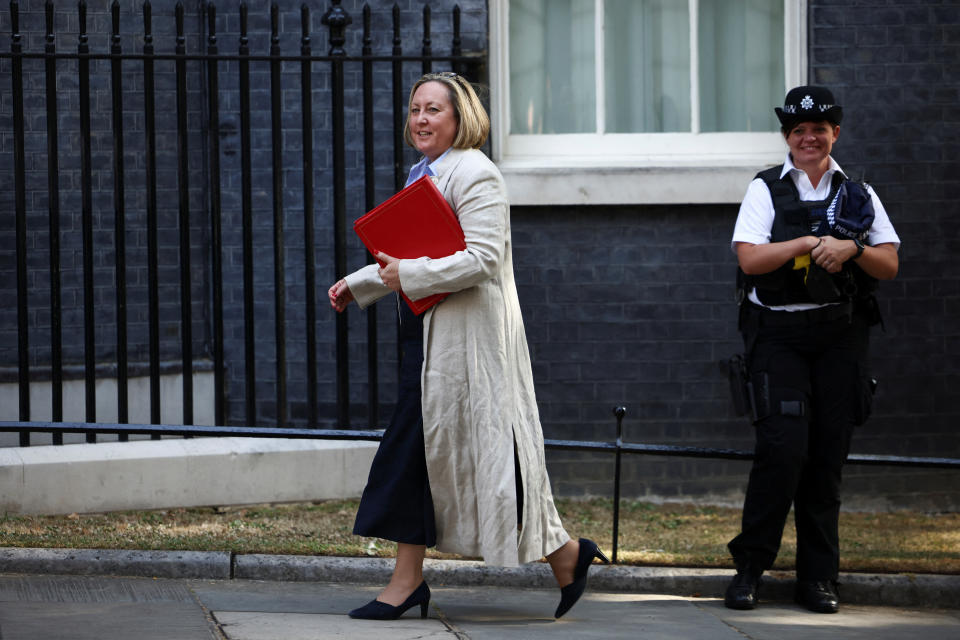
{"x":832,"y":252}
{"x":340,"y":295}
{"x":390,"y":271}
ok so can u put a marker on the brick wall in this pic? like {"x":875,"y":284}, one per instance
{"x":632,"y":306}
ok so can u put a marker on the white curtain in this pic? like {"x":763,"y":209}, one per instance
{"x":741,"y":64}
{"x":552,"y":66}
{"x":646,"y":65}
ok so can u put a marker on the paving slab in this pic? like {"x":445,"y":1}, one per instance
{"x":486,"y":613}
{"x":311,"y":626}
{"x":271,"y":610}
{"x":783,"y":621}
{"x":87,"y":608}
{"x":280,"y":597}
{"x":105,"y":621}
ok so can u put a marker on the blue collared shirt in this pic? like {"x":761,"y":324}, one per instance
{"x":424,"y":168}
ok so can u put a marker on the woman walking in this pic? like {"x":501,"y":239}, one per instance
{"x":461,"y":465}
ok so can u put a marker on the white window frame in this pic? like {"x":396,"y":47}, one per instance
{"x":645,"y":168}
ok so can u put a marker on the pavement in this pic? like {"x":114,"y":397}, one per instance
{"x":52,"y":594}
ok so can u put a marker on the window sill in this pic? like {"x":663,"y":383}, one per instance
{"x":535,"y":183}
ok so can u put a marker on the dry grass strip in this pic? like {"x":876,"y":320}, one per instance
{"x":681,"y":534}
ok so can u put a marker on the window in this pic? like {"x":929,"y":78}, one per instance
{"x":592,"y":92}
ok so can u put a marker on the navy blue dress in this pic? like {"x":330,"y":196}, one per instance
{"x":396,"y":503}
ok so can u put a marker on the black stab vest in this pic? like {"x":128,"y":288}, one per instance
{"x":794,"y":218}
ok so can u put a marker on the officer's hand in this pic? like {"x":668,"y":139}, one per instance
{"x":830,"y":253}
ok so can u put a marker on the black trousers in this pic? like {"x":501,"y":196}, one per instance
{"x":811,"y":385}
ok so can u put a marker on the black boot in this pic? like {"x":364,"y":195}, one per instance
{"x":743,"y":592}
{"x":819,"y":596}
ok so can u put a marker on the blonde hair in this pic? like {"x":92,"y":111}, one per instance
{"x":473,"y":123}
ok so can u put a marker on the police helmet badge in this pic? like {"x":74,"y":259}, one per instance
{"x":809,"y":103}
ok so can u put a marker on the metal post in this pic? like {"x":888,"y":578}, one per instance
{"x":373,"y":387}
{"x":20,"y":204}
{"x":152,"y":242}
{"x":310,"y":257}
{"x":53,"y":193}
{"x":119,"y":222}
{"x":279,"y":285}
{"x":399,"y":117}
{"x":183,"y":189}
{"x":427,"y":49}
{"x":456,"y":49}
{"x":250,"y":359}
{"x":619,"y":412}
{"x":86,"y":213}
{"x":338,"y":19}
{"x":216,"y":237}
{"x":399,"y":108}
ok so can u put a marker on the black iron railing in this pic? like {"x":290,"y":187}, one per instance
{"x":139,"y":87}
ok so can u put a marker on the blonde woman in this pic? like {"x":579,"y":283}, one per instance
{"x":461,"y":465}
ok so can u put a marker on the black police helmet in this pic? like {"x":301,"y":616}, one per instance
{"x":809,"y":104}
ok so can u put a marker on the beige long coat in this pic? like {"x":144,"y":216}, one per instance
{"x":478,"y":396}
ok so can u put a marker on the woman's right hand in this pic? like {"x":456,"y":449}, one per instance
{"x":756,"y":259}
{"x":340,"y":295}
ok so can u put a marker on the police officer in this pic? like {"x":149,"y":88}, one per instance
{"x":811,"y":245}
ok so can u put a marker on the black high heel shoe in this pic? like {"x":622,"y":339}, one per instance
{"x":572,"y":592}
{"x":376,"y":610}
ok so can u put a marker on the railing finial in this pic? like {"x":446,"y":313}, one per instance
{"x":147,"y":25}
{"x":337,"y":19}
{"x":243,"y":28}
{"x":274,"y":25}
{"x":211,"y":24}
{"x":15,"y":20}
{"x":82,"y":13}
{"x":304,"y":25}
{"x":115,"y":23}
{"x":48,"y":9}
{"x":178,"y":18}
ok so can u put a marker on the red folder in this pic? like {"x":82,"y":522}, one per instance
{"x":414,"y":223}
